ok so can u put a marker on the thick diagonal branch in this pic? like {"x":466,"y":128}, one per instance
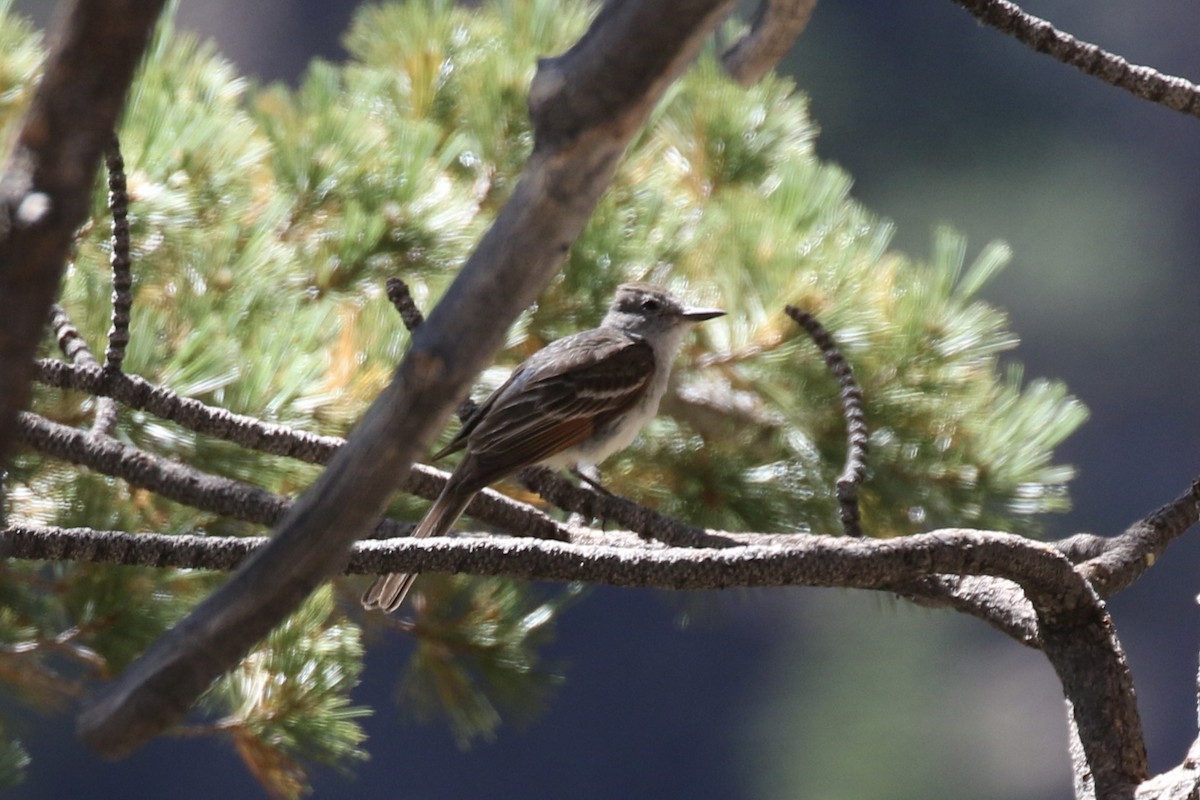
{"x":584,"y":113}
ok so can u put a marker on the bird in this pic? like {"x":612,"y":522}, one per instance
{"x":571,"y":404}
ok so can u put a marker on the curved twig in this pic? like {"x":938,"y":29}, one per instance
{"x":1175,"y":93}
{"x":70,"y":341}
{"x":852,"y":409}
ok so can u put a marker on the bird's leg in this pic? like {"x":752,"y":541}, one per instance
{"x":591,"y":476}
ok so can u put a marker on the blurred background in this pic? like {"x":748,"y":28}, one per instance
{"x":826,"y":694}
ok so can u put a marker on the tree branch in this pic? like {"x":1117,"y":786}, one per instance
{"x":75,"y":347}
{"x":1144,"y":82}
{"x":646,"y":522}
{"x":426,"y":482}
{"x":1081,"y":644}
{"x":851,"y":397}
{"x":1112,"y":564}
{"x":809,"y":560}
{"x":1072,"y":625}
{"x":170,"y":479}
{"x":122,"y":296}
{"x":997,"y":601}
{"x":776,"y":25}
{"x":47,"y":178}
{"x":584,"y":115}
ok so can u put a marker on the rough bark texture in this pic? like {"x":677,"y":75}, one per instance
{"x":49,"y":174}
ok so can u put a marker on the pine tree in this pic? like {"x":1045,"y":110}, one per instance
{"x":264,"y":224}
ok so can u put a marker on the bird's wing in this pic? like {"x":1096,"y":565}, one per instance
{"x":470,"y":423}
{"x":558,"y":398}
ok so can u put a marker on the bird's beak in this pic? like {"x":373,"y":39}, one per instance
{"x":701,"y":314}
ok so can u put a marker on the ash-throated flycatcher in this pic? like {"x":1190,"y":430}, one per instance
{"x":575,"y":402}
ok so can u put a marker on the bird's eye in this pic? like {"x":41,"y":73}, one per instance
{"x":651,"y":305}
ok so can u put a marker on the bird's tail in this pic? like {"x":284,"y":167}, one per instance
{"x":388,"y":591}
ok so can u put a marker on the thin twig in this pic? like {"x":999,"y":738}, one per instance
{"x":75,"y":348}
{"x":1147,"y":83}
{"x":593,"y":505}
{"x":402,"y":300}
{"x":170,"y":479}
{"x":70,"y":341}
{"x":122,"y":296}
{"x":242,"y":501}
{"x":857,"y":438}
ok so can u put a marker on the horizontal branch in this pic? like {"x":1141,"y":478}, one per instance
{"x":138,"y":393}
{"x":171,"y":479}
{"x":179,"y":551}
{"x":1147,"y":83}
{"x":809,"y":560}
{"x":1071,"y":624}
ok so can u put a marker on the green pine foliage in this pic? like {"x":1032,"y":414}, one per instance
{"x":20,"y":61}
{"x":13,"y":760}
{"x":287,"y":703}
{"x":265,"y":222}
{"x":477,"y":660}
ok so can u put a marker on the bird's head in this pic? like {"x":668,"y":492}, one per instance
{"x":644,"y":309}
